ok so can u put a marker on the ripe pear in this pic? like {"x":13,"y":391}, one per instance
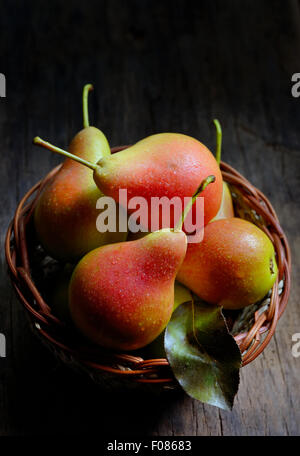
{"x":226,"y":208}
{"x":234,"y":266}
{"x":65,"y":215}
{"x":121,"y":296}
{"x":162,"y":165}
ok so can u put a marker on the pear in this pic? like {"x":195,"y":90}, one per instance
{"x":121,"y":296}
{"x":226,"y":208}
{"x":234,"y":266}
{"x":162,"y":165}
{"x":65,"y":214}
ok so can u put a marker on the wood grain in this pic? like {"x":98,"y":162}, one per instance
{"x":156,"y":66}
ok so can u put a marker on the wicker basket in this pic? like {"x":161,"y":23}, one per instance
{"x":252,"y":329}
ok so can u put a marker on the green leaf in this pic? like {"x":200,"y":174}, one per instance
{"x":204,"y":357}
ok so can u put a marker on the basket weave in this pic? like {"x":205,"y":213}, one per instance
{"x":104,"y":365}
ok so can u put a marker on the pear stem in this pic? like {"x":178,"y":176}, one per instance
{"x":40,"y":142}
{"x":200,"y":189}
{"x":86,"y":89}
{"x":219,"y":140}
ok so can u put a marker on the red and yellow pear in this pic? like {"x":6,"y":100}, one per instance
{"x":234,"y":265}
{"x":65,"y":215}
{"x":164,"y":165}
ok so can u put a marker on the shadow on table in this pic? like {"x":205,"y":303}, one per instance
{"x":50,"y":398}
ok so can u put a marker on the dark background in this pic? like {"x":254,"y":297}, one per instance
{"x":156,"y":66}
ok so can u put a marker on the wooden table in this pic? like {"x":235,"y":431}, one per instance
{"x":156,"y":66}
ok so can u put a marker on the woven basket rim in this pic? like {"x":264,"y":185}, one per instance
{"x":48,"y":326}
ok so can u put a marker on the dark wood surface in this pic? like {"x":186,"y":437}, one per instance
{"x":156,"y":66}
